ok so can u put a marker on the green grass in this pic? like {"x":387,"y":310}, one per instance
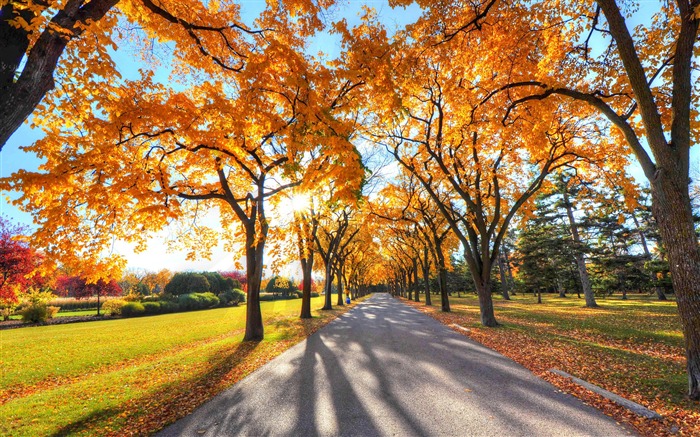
{"x":100,"y":377}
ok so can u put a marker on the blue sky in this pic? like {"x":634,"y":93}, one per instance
{"x":13,"y":159}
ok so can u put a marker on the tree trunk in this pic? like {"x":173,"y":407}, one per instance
{"x":504,"y":280}
{"x":98,"y":303}
{"x":660,"y":295}
{"x":328,"y":303}
{"x":442,"y":282}
{"x":339,"y":276}
{"x":671,"y":206}
{"x":580,"y":260}
{"x":306,"y":269}
{"x":254,"y":262}
{"x":21,"y":96}
{"x":416,"y":296}
{"x":539,"y":295}
{"x":510,"y":273}
{"x":483,"y":290}
{"x":426,"y":275}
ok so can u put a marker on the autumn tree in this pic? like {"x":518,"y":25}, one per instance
{"x":18,"y":262}
{"x":640,"y":79}
{"x":80,"y":288}
{"x":70,"y":42}
{"x":435,"y":134}
{"x":229,"y":142}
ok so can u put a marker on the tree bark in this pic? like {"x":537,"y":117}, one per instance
{"x":426,"y":275}
{"x":504,"y":280}
{"x":21,"y":97}
{"x":339,"y":277}
{"x":254,"y":261}
{"x":580,"y":260}
{"x":328,"y":303}
{"x":483,"y":291}
{"x":671,"y":206}
{"x":306,"y":269}
{"x":416,"y":296}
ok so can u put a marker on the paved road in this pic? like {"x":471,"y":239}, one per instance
{"x":386,"y":369}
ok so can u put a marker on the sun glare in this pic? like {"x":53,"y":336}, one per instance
{"x":293,"y":204}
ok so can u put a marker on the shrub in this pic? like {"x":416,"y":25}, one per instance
{"x":169,"y":307}
{"x":197,"y":301}
{"x":113,"y":307}
{"x":151,"y":307}
{"x":187,"y":283}
{"x":208,"y":300}
{"x":38,"y":312}
{"x":152,"y":298}
{"x":299,"y":294}
{"x":35,"y":307}
{"x":132,"y":309}
{"x":231,"y":297}
{"x":264,"y":297}
{"x":240,"y":294}
{"x":314,"y":294}
{"x":187,"y":302}
{"x":7,"y":309}
{"x":132,"y":297}
{"x":35,"y":313}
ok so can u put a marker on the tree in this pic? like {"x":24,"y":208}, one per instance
{"x":69,"y":42}
{"x":228,"y":143}
{"x":437,"y":136}
{"x":157,"y":281}
{"x":186,"y":283}
{"x":80,"y":288}
{"x":280,"y":285}
{"x":18,"y":263}
{"x":643,"y":84}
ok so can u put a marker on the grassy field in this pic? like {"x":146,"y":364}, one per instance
{"x":133,"y":376}
{"x":631,"y":347}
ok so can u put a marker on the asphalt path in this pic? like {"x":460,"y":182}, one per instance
{"x":385,"y":369}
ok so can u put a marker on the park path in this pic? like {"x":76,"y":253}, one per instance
{"x":385,"y":369}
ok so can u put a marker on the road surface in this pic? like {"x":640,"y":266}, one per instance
{"x":385,"y":369}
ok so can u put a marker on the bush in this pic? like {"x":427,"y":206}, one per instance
{"x":35,"y":313}
{"x":151,"y":307}
{"x":132,"y":309}
{"x":38,"y":312}
{"x":187,"y":283}
{"x":187,"y":302}
{"x":7,"y":309}
{"x":314,"y":294}
{"x":232,"y":297}
{"x":209,"y":300}
{"x":240,"y":294}
{"x":299,"y":294}
{"x":113,"y":307}
{"x":151,"y":298}
{"x":169,"y":307}
{"x":264,"y":297}
{"x":197,"y":301}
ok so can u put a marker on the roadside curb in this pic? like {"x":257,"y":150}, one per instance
{"x":632,"y":406}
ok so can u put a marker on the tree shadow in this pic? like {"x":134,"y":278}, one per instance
{"x":170,"y":402}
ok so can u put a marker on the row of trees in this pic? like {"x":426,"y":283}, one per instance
{"x":478,"y":104}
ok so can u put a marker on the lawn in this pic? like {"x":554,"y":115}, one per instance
{"x":631,"y":347}
{"x":133,"y":376}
